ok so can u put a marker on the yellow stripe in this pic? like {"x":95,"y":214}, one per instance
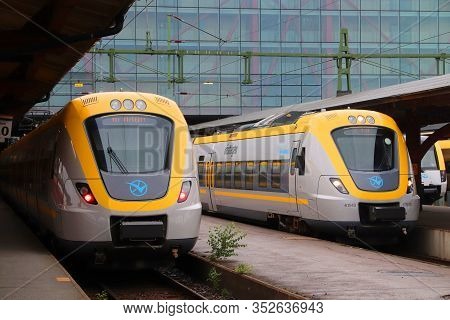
{"x":260,"y":197}
{"x":202,"y":190}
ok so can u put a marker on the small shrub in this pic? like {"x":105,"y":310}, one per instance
{"x":214,"y":278}
{"x":243,"y":268}
{"x":224,"y":241}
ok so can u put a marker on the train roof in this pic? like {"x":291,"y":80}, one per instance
{"x":301,"y":125}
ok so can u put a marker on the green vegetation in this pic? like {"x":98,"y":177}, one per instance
{"x":243,"y":268}
{"x":225,"y":240}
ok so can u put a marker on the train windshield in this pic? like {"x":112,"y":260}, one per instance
{"x":366,"y":148}
{"x":131,"y":143}
{"x":429,"y":160}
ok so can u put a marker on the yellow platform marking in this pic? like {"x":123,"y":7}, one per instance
{"x":260,"y":197}
{"x":63,"y":279}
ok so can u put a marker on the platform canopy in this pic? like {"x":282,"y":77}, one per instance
{"x":41,"y":40}
{"x":424,"y":102}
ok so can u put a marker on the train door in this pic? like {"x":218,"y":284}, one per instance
{"x":209,"y":165}
{"x":293,"y":172}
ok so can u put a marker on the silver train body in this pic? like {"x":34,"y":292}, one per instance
{"x":99,"y":176}
{"x":323,"y":172}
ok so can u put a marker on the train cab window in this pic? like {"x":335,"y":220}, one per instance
{"x":201,"y":174}
{"x":227,"y":178}
{"x":218,"y":180}
{"x":201,"y":158}
{"x":276,"y":178}
{"x":249,"y":174}
{"x":293,"y":159}
{"x":130,"y":143}
{"x":262,"y":177}
{"x":237,"y":175}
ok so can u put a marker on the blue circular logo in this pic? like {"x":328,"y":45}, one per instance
{"x":376,"y":182}
{"x":138,"y":188}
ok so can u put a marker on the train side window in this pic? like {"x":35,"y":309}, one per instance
{"x":300,"y":162}
{"x":293,"y":159}
{"x":218,"y":181}
{"x":249,"y":173}
{"x":237,"y":175}
{"x":276,"y":171}
{"x":227,"y":179}
{"x":262,"y":180}
{"x":201,"y":174}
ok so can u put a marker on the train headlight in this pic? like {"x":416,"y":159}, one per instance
{"x":352,"y":119}
{"x":370,"y":119}
{"x":128,"y":104}
{"x":184,"y":192}
{"x":410,"y":188}
{"x":115,"y":104}
{"x":337,"y":183}
{"x":141,"y":105}
{"x":361,"y":120}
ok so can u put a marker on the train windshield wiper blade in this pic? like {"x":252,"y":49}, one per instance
{"x":116,"y":160}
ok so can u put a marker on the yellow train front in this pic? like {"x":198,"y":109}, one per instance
{"x":111,"y":170}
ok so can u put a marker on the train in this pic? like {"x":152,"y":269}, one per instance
{"x":109,"y":172}
{"x":344,"y":172}
{"x":434,"y":176}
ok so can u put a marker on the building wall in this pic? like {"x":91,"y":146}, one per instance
{"x":375,"y":26}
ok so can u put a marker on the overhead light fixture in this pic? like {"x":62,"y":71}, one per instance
{"x":208,"y":82}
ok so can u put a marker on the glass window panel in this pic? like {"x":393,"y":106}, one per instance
{"x":390,"y":4}
{"x":276,"y":178}
{"x":249,"y":174}
{"x":429,"y":27}
{"x":351,"y":5}
{"x":207,"y":3}
{"x":289,"y":4}
{"x":350,"y":20}
{"x":429,"y":5}
{"x":250,"y":29}
{"x":444,"y":27}
{"x":370,"y":26}
{"x":270,"y":25}
{"x":411,"y":5}
{"x":370,"y":5}
{"x":389,"y":26}
{"x":330,"y":26}
{"x":238,"y":175}
{"x":270,"y":4}
{"x":310,"y":26}
{"x":218,"y":177}
{"x":409,"y":27}
{"x":229,"y":3}
{"x":262,"y":177}
{"x":209,"y":22}
{"x":329,"y":4}
{"x":230,"y":24}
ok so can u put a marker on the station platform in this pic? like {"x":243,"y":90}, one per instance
{"x":321,"y":269}
{"x":431,"y":238}
{"x":27,"y":269}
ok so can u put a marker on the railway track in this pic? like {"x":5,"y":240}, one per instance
{"x":147,"y":284}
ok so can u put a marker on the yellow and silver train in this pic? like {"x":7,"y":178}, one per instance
{"x":110,"y":170}
{"x":333,"y":171}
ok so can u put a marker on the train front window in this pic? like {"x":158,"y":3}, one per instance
{"x":131,"y":143}
{"x":366,"y":148}
{"x":429,"y":160}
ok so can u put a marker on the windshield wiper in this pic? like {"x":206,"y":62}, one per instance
{"x":116,"y":160}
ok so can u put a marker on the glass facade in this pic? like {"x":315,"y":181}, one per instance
{"x":214,"y":84}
